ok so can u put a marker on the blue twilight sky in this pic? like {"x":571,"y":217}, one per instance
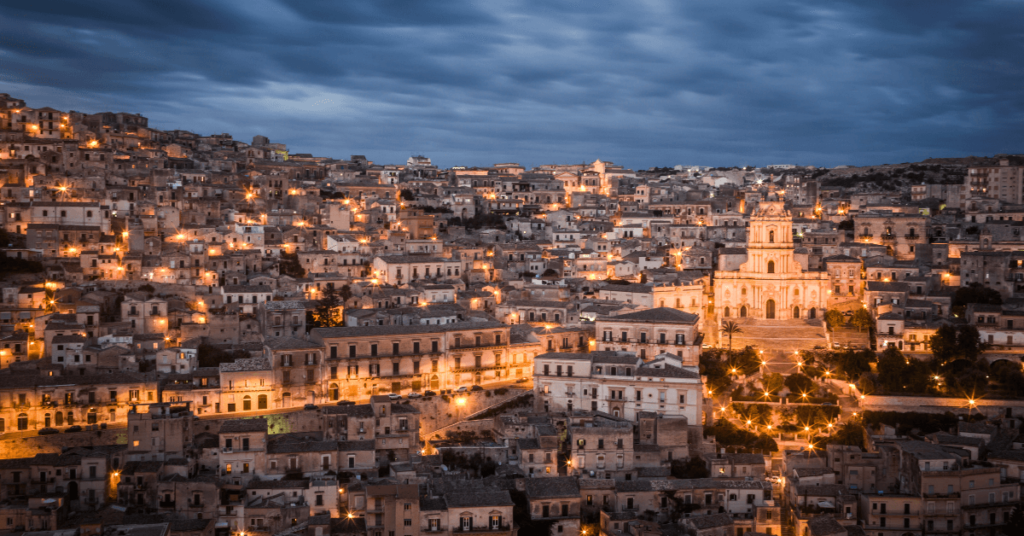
{"x":641,"y":83}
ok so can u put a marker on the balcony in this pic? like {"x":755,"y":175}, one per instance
{"x":481,"y":530}
{"x":166,"y":504}
{"x":866,"y":236}
{"x":912,"y":236}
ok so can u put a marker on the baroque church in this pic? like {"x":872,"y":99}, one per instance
{"x":771,"y":284}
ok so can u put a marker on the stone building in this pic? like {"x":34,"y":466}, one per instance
{"x":771,"y":284}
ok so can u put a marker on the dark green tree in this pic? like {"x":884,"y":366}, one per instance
{"x":952,"y":343}
{"x":974,"y":293}
{"x":773,"y":382}
{"x":862,"y":319}
{"x":891,"y":367}
{"x":834,"y":319}
{"x":695,"y":467}
{"x":328,"y":310}
{"x":765,"y":443}
{"x":731,"y":328}
{"x":849,"y":434}
{"x":799,"y":384}
{"x":1016,"y":523}
{"x":290,"y":265}
{"x":345,"y":293}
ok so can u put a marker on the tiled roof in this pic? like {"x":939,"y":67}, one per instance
{"x":657,"y":315}
{"x":481,"y":498}
{"x":365,"y":331}
{"x":562,"y":486}
{"x":246,"y":364}
{"x":235,"y":426}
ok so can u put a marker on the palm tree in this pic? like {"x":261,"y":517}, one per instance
{"x":731,"y":328}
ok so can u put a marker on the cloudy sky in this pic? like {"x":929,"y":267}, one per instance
{"x":642,"y":83}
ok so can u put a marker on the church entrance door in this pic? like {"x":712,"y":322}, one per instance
{"x":769,"y":309}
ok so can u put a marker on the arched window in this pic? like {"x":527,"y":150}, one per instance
{"x":811,"y":314}
{"x":796,"y":312}
{"x":335,"y":393}
{"x":796,"y":292}
{"x":22,"y":421}
{"x":771,"y":237}
{"x":743,"y":291}
{"x":261,"y":402}
{"x":247,"y":403}
{"x":771,"y":267}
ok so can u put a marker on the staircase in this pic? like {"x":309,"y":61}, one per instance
{"x":780,"y":335}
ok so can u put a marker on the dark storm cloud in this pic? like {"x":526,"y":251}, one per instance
{"x":641,"y":83}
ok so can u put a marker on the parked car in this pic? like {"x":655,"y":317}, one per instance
{"x":414,"y":395}
{"x":430,"y":393}
{"x":394,"y":396}
{"x":462,"y":389}
{"x":346,"y":403}
{"x":74,"y":428}
{"x":49,"y":431}
{"x":309,"y":406}
{"x":476,"y":388}
{"x":522,"y":380}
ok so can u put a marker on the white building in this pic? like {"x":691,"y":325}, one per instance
{"x":618,"y":383}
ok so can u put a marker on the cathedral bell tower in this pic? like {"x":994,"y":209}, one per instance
{"x":770,"y":242}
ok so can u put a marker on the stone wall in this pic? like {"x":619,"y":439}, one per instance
{"x":436,"y":413}
{"x":990,"y":407}
{"x":27,"y":447}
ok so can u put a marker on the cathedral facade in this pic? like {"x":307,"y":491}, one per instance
{"x":771,"y":284}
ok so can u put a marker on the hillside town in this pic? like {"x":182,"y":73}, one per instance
{"x":203,"y":336}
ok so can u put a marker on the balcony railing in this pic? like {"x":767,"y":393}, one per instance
{"x":481,"y":529}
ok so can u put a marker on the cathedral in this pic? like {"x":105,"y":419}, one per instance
{"x":771,"y":284}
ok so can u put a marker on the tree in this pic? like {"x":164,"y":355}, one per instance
{"x":731,"y":328}
{"x":851,"y":363}
{"x":891,"y":367}
{"x":773,"y":382}
{"x":695,"y":467}
{"x":407,"y":195}
{"x":211,"y":356}
{"x":862,"y":319}
{"x":849,"y":434}
{"x":899,"y":374}
{"x":328,"y":310}
{"x":716,"y":371}
{"x":345,"y":293}
{"x":974,"y":293}
{"x":834,"y":319}
{"x":1016,"y":523}
{"x":290,"y":265}
{"x":951,"y":343}
{"x":799,"y":384}
{"x":765,"y":443}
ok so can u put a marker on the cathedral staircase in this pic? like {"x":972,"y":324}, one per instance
{"x":779,"y":335}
